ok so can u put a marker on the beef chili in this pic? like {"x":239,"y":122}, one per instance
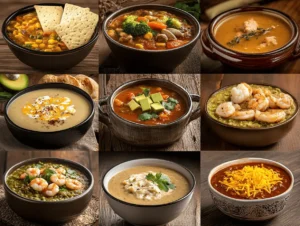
{"x":149,"y":105}
{"x":251,"y":181}
{"x":150,"y":30}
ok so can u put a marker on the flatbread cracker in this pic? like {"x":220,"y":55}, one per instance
{"x":72,"y":11}
{"x":49,"y":16}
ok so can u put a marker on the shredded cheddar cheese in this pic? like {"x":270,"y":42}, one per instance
{"x":251,"y":180}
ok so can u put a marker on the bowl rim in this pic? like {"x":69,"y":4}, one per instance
{"x":133,"y":7}
{"x":252,"y":129}
{"x":37,"y":52}
{"x":251,"y":160}
{"x":293,"y":26}
{"x":131,"y":83}
{"x":192,"y":188}
{"x":45,"y":86}
{"x":49,"y":159}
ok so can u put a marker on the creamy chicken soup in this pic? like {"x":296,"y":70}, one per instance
{"x":48,"y":110}
{"x":148,"y":185}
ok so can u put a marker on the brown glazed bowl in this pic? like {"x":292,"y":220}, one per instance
{"x":251,"y":137}
{"x":145,"y":135}
{"x":257,"y":61}
{"x":49,"y":212}
{"x":151,"y":60}
{"x":47,"y":60}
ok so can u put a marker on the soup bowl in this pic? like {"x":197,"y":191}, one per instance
{"x":149,"y":215}
{"x":254,"y":209}
{"x":153,"y":60}
{"x":53,"y":139}
{"x":60,"y":211}
{"x":252,"y":137}
{"x":145,"y":135}
{"x":47,"y":60}
{"x":250,"y":61}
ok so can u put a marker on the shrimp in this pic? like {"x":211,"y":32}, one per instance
{"x":225,"y":109}
{"x":38,"y":184}
{"x":33,"y":172}
{"x":61,"y":170}
{"x":58,"y":179}
{"x":73,"y":184}
{"x":272,"y":101}
{"x":259,"y":102}
{"x":237,"y":107}
{"x":270,"y":116}
{"x":240,"y":93}
{"x":51,"y":190}
{"x":284,"y":101}
{"x":243,"y":115}
{"x":23,"y":175}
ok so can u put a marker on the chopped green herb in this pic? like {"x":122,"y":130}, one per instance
{"x":146,"y":91}
{"x":170,"y":104}
{"x":190,"y":6}
{"x":162,"y":181}
{"x":147,"y":116}
{"x":47,"y":174}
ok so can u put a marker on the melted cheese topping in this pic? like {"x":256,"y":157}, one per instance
{"x":138,"y":185}
{"x":251,"y":180}
{"x":50,"y":109}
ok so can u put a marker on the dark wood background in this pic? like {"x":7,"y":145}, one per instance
{"x":191,"y":160}
{"x":290,"y":7}
{"x":212,"y":82}
{"x":211,"y":216}
{"x":10,"y":64}
{"x":191,"y":138}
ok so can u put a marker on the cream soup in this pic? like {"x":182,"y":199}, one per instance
{"x":148,"y":185}
{"x":48,"y":110}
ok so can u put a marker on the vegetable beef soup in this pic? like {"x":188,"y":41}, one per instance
{"x":151,"y":30}
{"x":148,"y":185}
{"x":46,"y":181}
{"x":149,"y":105}
{"x":48,"y":110}
{"x":255,"y":32}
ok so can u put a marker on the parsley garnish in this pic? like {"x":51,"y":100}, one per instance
{"x":147,"y":116}
{"x":162,"y":181}
{"x":47,"y":174}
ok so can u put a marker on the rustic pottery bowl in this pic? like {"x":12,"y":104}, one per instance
{"x":47,"y":60}
{"x":151,"y":60}
{"x":255,"y":209}
{"x":251,"y":137}
{"x":49,"y":212}
{"x":55,"y":139}
{"x":145,"y":135}
{"x":258,"y":61}
{"x":148,"y":215}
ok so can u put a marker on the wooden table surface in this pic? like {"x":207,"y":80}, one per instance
{"x":88,"y":159}
{"x":10,"y":64}
{"x":108,"y":63}
{"x":290,"y":7}
{"x":211,"y":216}
{"x":191,"y":160}
{"x":212,"y":82}
{"x":191,"y":138}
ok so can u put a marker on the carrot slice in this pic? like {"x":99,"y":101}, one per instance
{"x":174,"y":44}
{"x":157,"y":25}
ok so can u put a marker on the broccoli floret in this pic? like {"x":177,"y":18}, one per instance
{"x":135,"y":28}
{"x":174,"y":23}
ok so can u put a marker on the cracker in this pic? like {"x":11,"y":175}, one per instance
{"x":72,"y":11}
{"x":49,"y":16}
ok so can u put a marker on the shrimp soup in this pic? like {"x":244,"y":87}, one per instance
{"x":47,"y":181}
{"x":257,"y":32}
{"x":48,"y":110}
{"x":148,"y":185}
{"x":265,"y":106}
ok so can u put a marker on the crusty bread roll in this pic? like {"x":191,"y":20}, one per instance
{"x":89,"y":85}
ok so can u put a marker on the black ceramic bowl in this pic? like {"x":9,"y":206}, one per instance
{"x":47,"y":60}
{"x":151,"y":60}
{"x":49,"y":212}
{"x":50,"y":139}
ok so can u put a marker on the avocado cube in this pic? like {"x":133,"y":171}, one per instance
{"x":145,"y":104}
{"x":133,"y":105}
{"x":157,"y":97}
{"x":139,"y":98}
{"x":149,"y":100}
{"x":157,"y":107}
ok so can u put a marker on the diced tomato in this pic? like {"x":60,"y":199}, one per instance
{"x":175,"y":44}
{"x":118,"y":102}
{"x":177,"y":107}
{"x":163,"y":117}
{"x":130,"y":96}
{"x":158,"y":89}
{"x":165,"y":96}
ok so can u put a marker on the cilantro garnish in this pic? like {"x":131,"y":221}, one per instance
{"x":47,"y":174}
{"x":162,"y":181}
{"x":147,"y":116}
{"x":170,"y":104}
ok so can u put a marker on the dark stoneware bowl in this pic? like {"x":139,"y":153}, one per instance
{"x":47,"y":60}
{"x":145,"y":135}
{"x":247,"y":61}
{"x":151,"y":60}
{"x":49,"y":212}
{"x":251,"y":137}
{"x":55,"y":139}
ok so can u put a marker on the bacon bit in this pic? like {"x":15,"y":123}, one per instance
{"x":118,"y":102}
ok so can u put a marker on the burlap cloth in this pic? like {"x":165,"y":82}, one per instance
{"x":9,"y":218}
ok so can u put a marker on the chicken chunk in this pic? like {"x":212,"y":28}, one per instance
{"x":250,"y":25}
{"x":271,"y":40}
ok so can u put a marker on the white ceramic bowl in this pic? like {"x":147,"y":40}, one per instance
{"x":252,"y":210}
{"x":149,"y":215}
